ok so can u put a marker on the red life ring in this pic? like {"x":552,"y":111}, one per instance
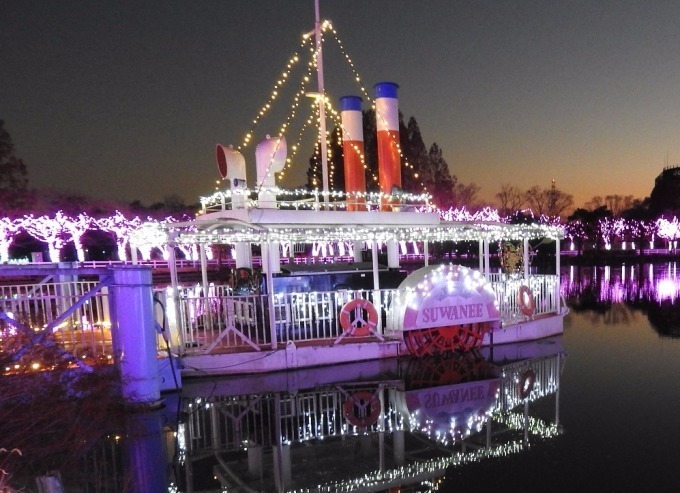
{"x":526,"y":384}
{"x":362,"y":409}
{"x":359,"y":327}
{"x":526,"y":301}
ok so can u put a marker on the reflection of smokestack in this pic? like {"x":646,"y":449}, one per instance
{"x":387,"y":124}
{"x":353,"y":149}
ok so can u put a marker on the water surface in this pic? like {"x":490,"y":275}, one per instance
{"x":601,"y":415}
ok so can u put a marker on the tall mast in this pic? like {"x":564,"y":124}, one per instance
{"x":322,"y":102}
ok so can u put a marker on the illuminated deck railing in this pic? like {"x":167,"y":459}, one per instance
{"x":224,"y":321}
{"x":545,"y":289}
{"x":310,"y":200}
{"x":85,"y":332}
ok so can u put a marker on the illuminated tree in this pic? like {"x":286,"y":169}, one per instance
{"x":611,"y":228}
{"x":590,"y":222}
{"x":120,"y":227}
{"x":51,"y":230}
{"x":190,"y":251}
{"x":575,"y":231}
{"x":462,"y":214}
{"x":669,"y":230}
{"x":639,"y":230}
{"x":8,"y":227}
{"x":76,"y":227}
{"x":148,"y":236}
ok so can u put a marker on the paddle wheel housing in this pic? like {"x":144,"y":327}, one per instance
{"x":445,"y":308}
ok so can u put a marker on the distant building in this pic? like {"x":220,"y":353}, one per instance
{"x":665,"y":197}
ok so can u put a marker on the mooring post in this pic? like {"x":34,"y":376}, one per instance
{"x":134,"y":334}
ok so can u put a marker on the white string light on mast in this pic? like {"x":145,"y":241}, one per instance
{"x":363,"y":90}
{"x":285,"y":75}
{"x":337,"y":119}
{"x":315,"y":62}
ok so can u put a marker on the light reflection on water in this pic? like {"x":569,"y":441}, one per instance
{"x":621,"y":284}
{"x":601,"y":417}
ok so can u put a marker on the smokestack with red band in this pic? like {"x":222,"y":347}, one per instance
{"x":387,"y":124}
{"x":353,"y":149}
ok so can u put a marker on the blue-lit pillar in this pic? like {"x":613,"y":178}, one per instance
{"x":134,"y":334}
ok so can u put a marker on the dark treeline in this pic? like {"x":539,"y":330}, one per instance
{"x":424,"y":169}
{"x":17,"y":198}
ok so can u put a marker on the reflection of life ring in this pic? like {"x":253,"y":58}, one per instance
{"x":362,"y":409}
{"x":526,"y":384}
{"x":526,"y":301}
{"x":361,"y":327}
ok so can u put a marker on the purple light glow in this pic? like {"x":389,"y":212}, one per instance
{"x":622,"y":285}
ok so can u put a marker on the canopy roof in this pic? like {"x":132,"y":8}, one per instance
{"x":265,"y":225}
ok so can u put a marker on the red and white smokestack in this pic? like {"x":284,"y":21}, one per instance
{"x":353,"y":150}
{"x":387,"y":124}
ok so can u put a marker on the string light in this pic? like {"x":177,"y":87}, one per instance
{"x":337,"y":119}
{"x":363,"y":90}
{"x":318,"y":416}
{"x":292,"y":61}
{"x":8,"y":230}
{"x":326,"y":26}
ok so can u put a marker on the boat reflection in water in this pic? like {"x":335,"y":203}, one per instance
{"x":370,"y":426}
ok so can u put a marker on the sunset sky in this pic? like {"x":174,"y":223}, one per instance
{"x":127,"y":99}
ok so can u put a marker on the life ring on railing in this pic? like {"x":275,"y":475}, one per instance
{"x":526,"y":301}
{"x":359,"y":327}
{"x":362,"y":409}
{"x":526,"y":384}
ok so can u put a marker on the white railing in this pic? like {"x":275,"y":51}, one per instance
{"x":222,"y":320}
{"x":221,"y":201}
{"x":85,"y":333}
{"x":544,"y":289}
{"x":316,"y":315}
